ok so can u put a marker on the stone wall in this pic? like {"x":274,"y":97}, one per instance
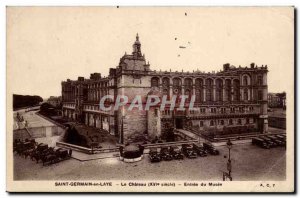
{"x":135,"y":124}
{"x":154,"y":123}
{"x":277,"y":122}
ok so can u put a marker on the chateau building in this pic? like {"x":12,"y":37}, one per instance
{"x":232,"y":98}
{"x":277,"y":100}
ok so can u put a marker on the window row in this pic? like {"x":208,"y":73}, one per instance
{"x":223,"y":110}
{"x":228,"y":122}
{"x":188,"y":82}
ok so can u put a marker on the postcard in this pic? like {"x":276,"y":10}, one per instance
{"x":150,"y":99}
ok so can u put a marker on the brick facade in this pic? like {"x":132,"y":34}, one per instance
{"x":236,"y":96}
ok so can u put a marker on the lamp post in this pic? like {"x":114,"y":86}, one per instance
{"x":229,"y":146}
{"x":228,"y":174}
{"x":122,"y":131}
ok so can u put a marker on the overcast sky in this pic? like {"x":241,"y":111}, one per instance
{"x":48,"y":45}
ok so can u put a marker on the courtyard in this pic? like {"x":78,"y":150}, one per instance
{"x":248,"y":163}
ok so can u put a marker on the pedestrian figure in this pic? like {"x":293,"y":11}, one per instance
{"x":121,"y":148}
{"x":70,"y":152}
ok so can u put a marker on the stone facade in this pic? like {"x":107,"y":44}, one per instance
{"x":277,"y":100}
{"x":233,"y":97}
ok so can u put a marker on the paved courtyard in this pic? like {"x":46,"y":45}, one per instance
{"x":248,"y":163}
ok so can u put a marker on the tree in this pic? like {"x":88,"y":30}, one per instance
{"x":282,"y":98}
{"x":20,"y":101}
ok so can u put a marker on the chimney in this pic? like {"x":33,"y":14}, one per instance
{"x":226,"y":66}
{"x":95,"y":76}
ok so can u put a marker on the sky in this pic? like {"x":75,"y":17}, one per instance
{"x":47,"y":45}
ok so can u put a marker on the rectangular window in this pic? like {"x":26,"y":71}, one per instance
{"x":201,"y":123}
{"x":223,"y":110}
{"x":260,"y":95}
{"x":213,"y":110}
{"x":232,"y":110}
{"x":241,"y":109}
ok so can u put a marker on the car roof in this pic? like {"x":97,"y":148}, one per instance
{"x":258,"y":138}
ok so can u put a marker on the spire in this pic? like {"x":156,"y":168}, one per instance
{"x":137,"y":47}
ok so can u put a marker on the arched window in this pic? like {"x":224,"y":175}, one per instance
{"x":208,"y":95}
{"x":176,"y":82}
{"x":259,"y":80}
{"x":211,"y":123}
{"x":165,"y":82}
{"x":222,"y":122}
{"x":245,"y":80}
{"x":236,"y":90}
{"x":199,"y":90}
{"x":166,"y":87}
{"x":230,"y":122}
{"x":198,"y":95}
{"x":219,"y":90}
{"x":228,"y":90}
{"x":239,"y":121}
{"x":209,"y":89}
{"x":177,"y":88}
{"x":201,"y":123}
{"x":188,"y":82}
{"x":154,"y":82}
{"x":198,"y":83}
{"x":246,"y":94}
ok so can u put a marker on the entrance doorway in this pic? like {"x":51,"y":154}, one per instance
{"x":179,"y":123}
{"x":261,"y":125}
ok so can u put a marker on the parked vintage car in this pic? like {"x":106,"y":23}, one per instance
{"x":154,"y":155}
{"x":41,"y":147}
{"x":188,"y":151}
{"x":269,"y":141}
{"x":260,"y":142}
{"x":210,"y":149}
{"x":277,"y":140}
{"x":281,"y":137}
{"x":176,"y":152}
{"x":63,"y":154}
{"x":50,"y":158}
{"x":200,"y":150}
{"x":165,"y":154}
{"x":24,"y":148}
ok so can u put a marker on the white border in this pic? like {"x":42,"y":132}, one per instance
{"x":5,"y":3}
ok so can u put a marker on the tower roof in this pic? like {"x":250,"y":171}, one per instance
{"x":137,"y":41}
